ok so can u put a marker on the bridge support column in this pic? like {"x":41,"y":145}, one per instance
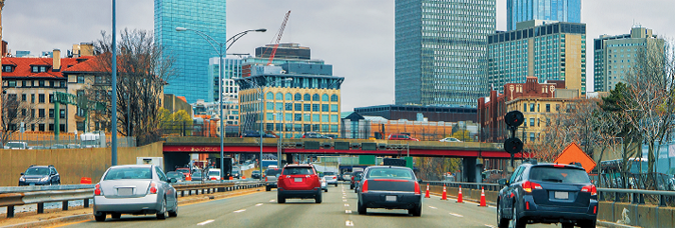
{"x":469,"y":169}
{"x":289,"y":159}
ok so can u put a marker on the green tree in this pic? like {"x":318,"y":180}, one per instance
{"x":463,"y":135}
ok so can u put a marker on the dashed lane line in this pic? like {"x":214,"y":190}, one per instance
{"x":260,"y":204}
{"x":346,"y":205}
{"x":491,"y":226}
{"x":239,"y":211}
{"x":348,"y":211}
{"x":432,"y":207}
{"x":349,"y":223}
{"x":456,"y":215}
{"x":205,"y":222}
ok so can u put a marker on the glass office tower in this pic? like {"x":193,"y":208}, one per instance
{"x":190,"y":51}
{"x":549,"y":10}
{"x":441,"y":51}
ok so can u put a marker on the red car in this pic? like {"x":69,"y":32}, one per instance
{"x":298,"y":181}
{"x":401,"y":137}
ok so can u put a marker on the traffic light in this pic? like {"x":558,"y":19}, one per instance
{"x":513,"y":145}
{"x":514,"y":118}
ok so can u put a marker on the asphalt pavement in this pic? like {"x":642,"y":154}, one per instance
{"x":338,"y":209}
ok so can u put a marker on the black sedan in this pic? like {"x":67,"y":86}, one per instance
{"x":389,"y":187}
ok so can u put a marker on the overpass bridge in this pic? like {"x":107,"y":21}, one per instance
{"x":338,"y":147}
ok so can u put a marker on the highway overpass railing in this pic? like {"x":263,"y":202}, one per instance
{"x":17,"y":196}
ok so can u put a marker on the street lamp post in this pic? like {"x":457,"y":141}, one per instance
{"x":219,"y":49}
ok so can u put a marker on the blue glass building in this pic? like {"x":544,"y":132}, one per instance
{"x":190,"y":51}
{"x":441,"y":51}
{"x":550,"y":10}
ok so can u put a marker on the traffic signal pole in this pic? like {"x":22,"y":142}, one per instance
{"x":513,"y":145}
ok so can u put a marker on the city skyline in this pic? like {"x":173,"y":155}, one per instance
{"x":360,"y":44}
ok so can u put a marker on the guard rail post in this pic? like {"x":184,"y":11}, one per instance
{"x":10,"y":211}
{"x":64,"y":205}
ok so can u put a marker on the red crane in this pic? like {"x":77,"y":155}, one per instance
{"x":279,"y":34}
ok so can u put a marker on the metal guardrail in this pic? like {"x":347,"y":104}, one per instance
{"x":488,"y":187}
{"x":637,"y":196}
{"x":16,"y":196}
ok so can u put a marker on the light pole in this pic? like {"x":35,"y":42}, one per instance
{"x":219,"y":49}
{"x":261,"y":91}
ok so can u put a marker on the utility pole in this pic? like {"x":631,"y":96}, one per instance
{"x":2,"y":5}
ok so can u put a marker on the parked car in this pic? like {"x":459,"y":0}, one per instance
{"x":257,"y":134}
{"x":547,"y":193}
{"x":74,"y":146}
{"x":176,"y":175}
{"x":356,"y":177}
{"x":271,"y":175}
{"x":135,"y":189}
{"x":16,"y":145}
{"x":390,"y":187}
{"x":185,"y":172}
{"x":298,"y":181}
{"x":255,"y":174}
{"x":401,"y":137}
{"x":58,"y":146}
{"x":450,"y":139}
{"x":39,"y":148}
{"x":40,"y":175}
{"x":331,"y":178}
{"x":213,"y":174}
{"x":324,"y":184}
{"x":315,"y":135}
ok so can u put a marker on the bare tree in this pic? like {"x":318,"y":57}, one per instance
{"x":650,"y":96}
{"x":143,"y":68}
{"x":15,"y":112}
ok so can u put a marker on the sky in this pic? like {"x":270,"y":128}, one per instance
{"x":355,"y":36}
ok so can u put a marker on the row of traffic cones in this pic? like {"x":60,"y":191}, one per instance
{"x":459,"y":195}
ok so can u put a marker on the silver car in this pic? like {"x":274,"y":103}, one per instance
{"x":271,"y":175}
{"x":135,"y":189}
{"x":331,"y":178}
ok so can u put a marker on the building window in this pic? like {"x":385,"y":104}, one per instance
{"x":51,"y":98}
{"x":308,"y":107}
{"x":557,"y":107}
{"x":270,"y":105}
{"x":324,"y":119}
{"x":298,"y":97}
{"x":42,"y":83}
{"x":548,"y":107}
{"x":315,"y":97}
{"x":531,"y":107}
{"x":280,"y":96}
{"x":334,"y":98}
{"x":32,"y":98}
{"x":270,"y":96}
{"x":297,"y":117}
{"x":525,"y":107}
{"x":324,"y":108}
{"x":63,"y":84}
{"x":80,"y":79}
{"x":6,"y":68}
{"x":41,"y":127}
{"x":333,"y":128}
{"x":23,"y":97}
{"x":324,"y":97}
{"x":270,"y":116}
{"x":531,"y":122}
{"x":41,"y":113}
{"x":334,"y":108}
{"x":315,"y":118}
{"x":315,"y":107}
{"x":531,"y":136}
{"x":308,"y":97}
{"x":298,"y":107}
{"x":333,"y":118}
{"x":11,"y":83}
{"x":289,"y":96}
{"x":62,"y":114}
{"x":41,"y":98}
{"x":35,"y":69}
{"x":51,"y":113}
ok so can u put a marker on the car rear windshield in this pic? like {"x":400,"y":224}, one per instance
{"x":174,"y":174}
{"x":298,"y":171}
{"x":214,"y":173}
{"x":272,"y":172}
{"x":129,"y":173}
{"x":559,"y":175}
{"x":390,"y":173}
{"x":329,"y":173}
{"x":37,"y":171}
{"x":182,"y":170}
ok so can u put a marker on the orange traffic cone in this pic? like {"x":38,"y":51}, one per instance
{"x":427,"y":194}
{"x":459,"y":195}
{"x":482,"y":198}
{"x":445,"y":195}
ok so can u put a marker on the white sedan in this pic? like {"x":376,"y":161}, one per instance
{"x":450,"y":139}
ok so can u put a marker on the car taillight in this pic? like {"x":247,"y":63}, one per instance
{"x":528,"y":186}
{"x":527,"y":205}
{"x":97,"y":190}
{"x":595,"y":209}
{"x":364,"y":186}
{"x":265,"y":178}
{"x":559,"y":166}
{"x":352,"y":178}
{"x":153,"y":189}
{"x":334,"y":177}
{"x":417,"y":188}
{"x":591,"y":189}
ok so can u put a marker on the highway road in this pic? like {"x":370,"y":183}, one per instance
{"x":338,"y":209}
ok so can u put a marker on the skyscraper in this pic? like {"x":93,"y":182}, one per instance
{"x":616,"y":55}
{"x":550,"y":10}
{"x":441,"y":50}
{"x":190,"y":51}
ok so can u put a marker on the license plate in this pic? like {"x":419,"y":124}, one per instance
{"x":124,"y":191}
{"x":298,"y":179}
{"x":390,"y":198}
{"x":561,"y":195}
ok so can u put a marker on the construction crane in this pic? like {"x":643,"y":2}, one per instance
{"x":279,"y":34}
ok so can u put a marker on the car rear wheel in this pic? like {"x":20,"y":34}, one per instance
{"x":351,"y":187}
{"x":99,"y":216}
{"x":280,"y":199}
{"x":318,"y":197}
{"x":162,"y":213}
{"x":336,"y":184}
{"x":116,"y":215}
{"x":567,"y":225}
{"x":362,"y":208}
{"x":325,"y":190}
{"x":417,"y":211}
{"x":174,"y":212}
{"x":517,"y":223}
{"x":501,"y":221}
{"x":267,"y":188}
{"x":587,"y":223}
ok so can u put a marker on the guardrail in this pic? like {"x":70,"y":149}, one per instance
{"x":17,"y":196}
{"x":466,"y":185}
{"x":636,"y":196}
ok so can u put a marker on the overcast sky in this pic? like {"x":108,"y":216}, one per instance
{"x":355,"y":36}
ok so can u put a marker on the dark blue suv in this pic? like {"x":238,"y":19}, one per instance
{"x":40,"y":175}
{"x":547,"y":193}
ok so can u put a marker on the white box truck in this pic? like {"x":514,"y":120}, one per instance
{"x":158,"y":161}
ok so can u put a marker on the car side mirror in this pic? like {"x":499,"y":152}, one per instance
{"x":503,"y":182}
{"x":172,"y":180}
{"x":22,"y":174}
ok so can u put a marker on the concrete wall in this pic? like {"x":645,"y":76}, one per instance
{"x":72,"y":164}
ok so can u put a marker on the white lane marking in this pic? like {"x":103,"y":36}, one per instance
{"x":344,"y":197}
{"x":260,"y":204}
{"x":346,"y":205}
{"x":205,"y":222}
{"x":456,"y":215}
{"x":344,"y":200}
{"x":239,"y":211}
{"x":348,"y":211}
{"x":349,"y":223}
{"x":489,"y":226}
{"x":432,"y":207}
{"x":272,"y":200}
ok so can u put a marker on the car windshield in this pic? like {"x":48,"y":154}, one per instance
{"x":272,"y":172}
{"x":174,"y":174}
{"x":357,"y":175}
{"x":197,"y":173}
{"x":129,"y":173}
{"x":182,"y":170}
{"x":15,"y":145}
{"x":559,"y":175}
{"x":37,"y":171}
{"x":390,"y":173}
{"x":329,"y":173}
{"x":298,"y":171}
{"x":214,"y":173}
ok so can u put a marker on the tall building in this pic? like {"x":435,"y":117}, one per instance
{"x":551,"y":10}
{"x":231,"y":71}
{"x":615,"y":55}
{"x":548,"y":51}
{"x":189,"y":50}
{"x":441,"y":51}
